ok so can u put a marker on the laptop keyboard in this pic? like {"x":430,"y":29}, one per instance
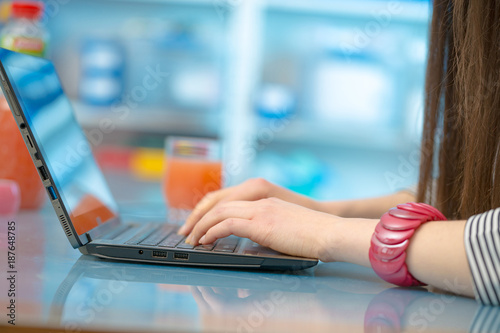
{"x":166,"y":236}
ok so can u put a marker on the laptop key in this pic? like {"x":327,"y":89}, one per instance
{"x":206,"y":247}
{"x":257,"y":249}
{"x":141,"y":235}
{"x":184,"y":245}
{"x":172,"y":240}
{"x":222,"y":249}
{"x":226,"y":245}
{"x":158,"y":236}
{"x":251,"y":252}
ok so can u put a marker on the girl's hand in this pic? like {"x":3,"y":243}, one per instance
{"x":271,"y":222}
{"x":250,"y":190}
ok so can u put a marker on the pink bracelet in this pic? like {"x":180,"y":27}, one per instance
{"x":391,"y":238}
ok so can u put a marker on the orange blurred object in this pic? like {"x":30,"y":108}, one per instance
{"x":87,"y":214}
{"x":188,"y":180}
{"x":16,"y":163}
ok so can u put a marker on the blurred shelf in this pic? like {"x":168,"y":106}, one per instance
{"x":418,"y":11}
{"x":154,"y":120}
{"x":296,"y":132}
{"x":326,"y":133}
{"x":289,"y":132}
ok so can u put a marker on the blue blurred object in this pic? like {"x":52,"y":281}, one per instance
{"x":102,"y":71}
{"x":177,"y":36}
{"x":275,"y":101}
{"x":299,"y":171}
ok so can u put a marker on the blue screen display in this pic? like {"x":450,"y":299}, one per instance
{"x":60,"y":139}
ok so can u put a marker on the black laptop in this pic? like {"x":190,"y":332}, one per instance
{"x":78,"y":191}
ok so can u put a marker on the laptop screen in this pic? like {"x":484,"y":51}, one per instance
{"x":61,"y":141}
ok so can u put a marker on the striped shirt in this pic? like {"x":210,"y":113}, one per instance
{"x":482,"y":245}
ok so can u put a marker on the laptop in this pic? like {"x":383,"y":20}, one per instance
{"x":78,"y":191}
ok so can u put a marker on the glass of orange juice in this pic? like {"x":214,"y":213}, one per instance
{"x":193,"y":168}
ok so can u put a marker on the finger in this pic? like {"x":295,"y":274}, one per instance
{"x":231,"y":226}
{"x":250,"y":190}
{"x":205,"y":204}
{"x":238,"y":209}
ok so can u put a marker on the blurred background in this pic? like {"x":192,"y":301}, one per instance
{"x":321,"y":96}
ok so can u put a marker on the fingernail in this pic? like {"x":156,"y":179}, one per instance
{"x":188,"y":240}
{"x":182,"y":230}
{"x":202,"y":240}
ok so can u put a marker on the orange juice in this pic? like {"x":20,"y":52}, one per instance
{"x":187,"y":180}
{"x":15,"y":161}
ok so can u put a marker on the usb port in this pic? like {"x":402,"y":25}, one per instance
{"x":52,"y":193}
{"x":43,"y":173}
{"x":181,"y":256}
{"x":159,"y":254}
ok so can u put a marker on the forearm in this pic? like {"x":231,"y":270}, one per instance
{"x":435,"y":256}
{"x":365,"y":208}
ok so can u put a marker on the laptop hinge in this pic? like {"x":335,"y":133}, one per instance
{"x":88,"y":237}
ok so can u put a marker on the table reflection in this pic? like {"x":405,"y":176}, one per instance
{"x":338,"y":296}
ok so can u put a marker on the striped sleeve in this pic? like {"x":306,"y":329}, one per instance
{"x":482,"y":245}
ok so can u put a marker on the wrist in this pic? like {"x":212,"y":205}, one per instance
{"x":328,"y":237}
{"x":347,"y":240}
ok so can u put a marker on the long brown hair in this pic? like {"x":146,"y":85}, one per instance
{"x":460,"y":159}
